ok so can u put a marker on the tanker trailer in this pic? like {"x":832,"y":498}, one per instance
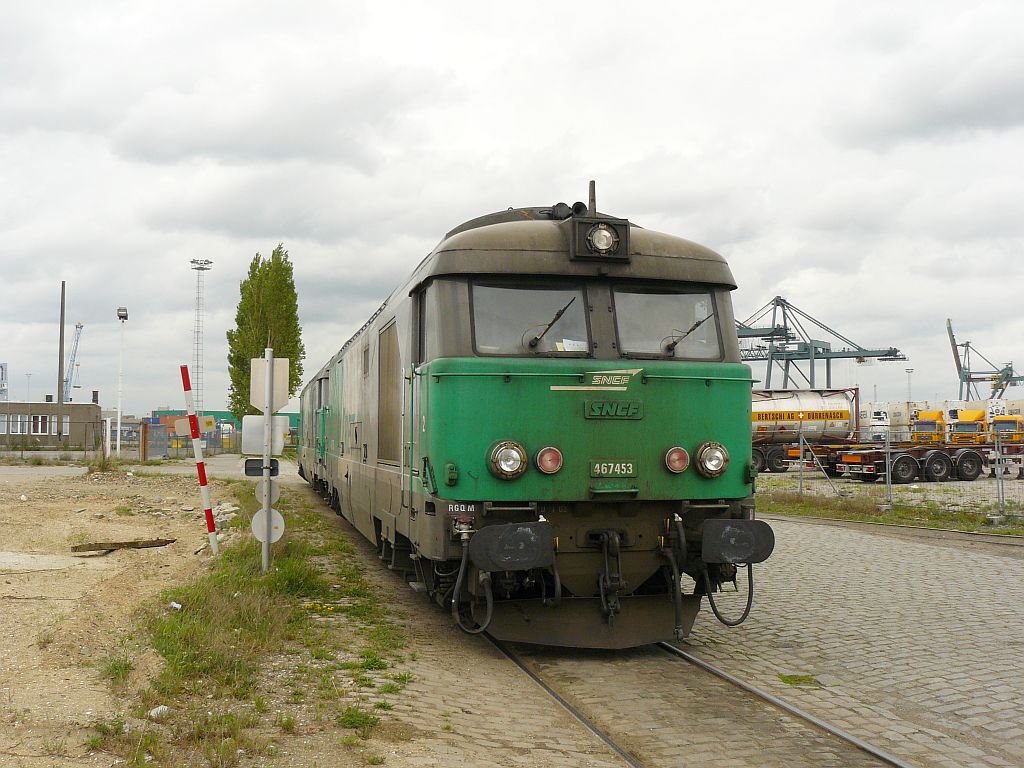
{"x":779,"y":417}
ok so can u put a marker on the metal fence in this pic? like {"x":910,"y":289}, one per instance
{"x":882,"y":474}
{"x":212,"y":443}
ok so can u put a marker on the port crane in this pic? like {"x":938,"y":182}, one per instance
{"x":788,"y":343}
{"x":71,"y":367}
{"x":998,"y":377}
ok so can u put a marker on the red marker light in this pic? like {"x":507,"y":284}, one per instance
{"x":677,"y":459}
{"x":549,"y":460}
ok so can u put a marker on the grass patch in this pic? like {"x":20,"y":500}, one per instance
{"x":354,"y":717}
{"x":805,"y":681}
{"x":925,"y":514}
{"x":102,"y":464}
{"x":314,"y":607}
{"x":116,"y":669}
{"x":233,"y":617}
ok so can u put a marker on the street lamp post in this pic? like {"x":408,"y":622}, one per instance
{"x":122,"y":315}
{"x":909,"y":371}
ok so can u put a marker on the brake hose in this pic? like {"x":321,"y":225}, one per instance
{"x":458,"y":590}
{"x":711,"y":597}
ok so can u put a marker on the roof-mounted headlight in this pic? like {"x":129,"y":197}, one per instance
{"x":712,"y":459}
{"x":602,"y":239}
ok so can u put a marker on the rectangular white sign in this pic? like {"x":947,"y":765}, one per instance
{"x":206,"y":424}
{"x":258,"y":383}
{"x":252,"y":435}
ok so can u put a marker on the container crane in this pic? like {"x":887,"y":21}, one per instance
{"x":789,"y":343}
{"x":70,"y":367}
{"x":998,"y":378}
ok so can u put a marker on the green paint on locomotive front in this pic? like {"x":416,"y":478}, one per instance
{"x":616,"y":413}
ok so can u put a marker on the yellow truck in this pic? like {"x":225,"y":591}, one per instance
{"x":1009,"y":429}
{"x":928,"y":428}
{"x":970,"y":428}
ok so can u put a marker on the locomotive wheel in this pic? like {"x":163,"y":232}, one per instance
{"x":904,"y":469}
{"x":777,"y":461}
{"x":757,"y":460}
{"x":969,"y":466}
{"x":938,"y":468}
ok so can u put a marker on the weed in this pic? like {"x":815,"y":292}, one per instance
{"x":55,"y":747}
{"x":286,"y":722}
{"x":385,"y":705}
{"x":350,"y":741}
{"x":373,"y":661}
{"x":375,"y":760}
{"x":389,"y":688}
{"x":402,"y":678}
{"x":116,"y":669}
{"x":259,"y":704}
{"x":806,"y":681}
{"x":102,"y":464}
{"x":123,"y":510}
{"x":44,"y":640}
{"x":354,"y":717}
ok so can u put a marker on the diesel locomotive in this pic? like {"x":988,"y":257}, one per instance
{"x":545,"y":427}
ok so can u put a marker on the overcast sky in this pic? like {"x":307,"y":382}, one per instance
{"x":864,"y":161}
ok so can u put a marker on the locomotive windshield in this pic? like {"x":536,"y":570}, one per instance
{"x":672,"y":323}
{"x":517,"y":319}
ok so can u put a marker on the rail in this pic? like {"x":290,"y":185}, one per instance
{"x":839,"y":733}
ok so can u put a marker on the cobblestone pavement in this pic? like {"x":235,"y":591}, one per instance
{"x":668,"y":713}
{"x":918,"y":646}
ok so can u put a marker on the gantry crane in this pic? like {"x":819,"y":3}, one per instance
{"x":998,"y":378}
{"x":789,"y":343}
{"x":70,"y":367}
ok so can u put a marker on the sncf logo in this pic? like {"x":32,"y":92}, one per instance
{"x":613,"y":409}
{"x":601,"y":381}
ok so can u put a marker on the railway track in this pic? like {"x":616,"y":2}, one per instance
{"x":587,"y":723}
{"x":643,"y":745}
{"x":768,"y":698}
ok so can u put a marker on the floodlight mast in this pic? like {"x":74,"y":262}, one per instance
{"x":200,"y":266}
{"x":122,"y":315}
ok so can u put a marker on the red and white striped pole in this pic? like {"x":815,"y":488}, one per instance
{"x":197,"y":450}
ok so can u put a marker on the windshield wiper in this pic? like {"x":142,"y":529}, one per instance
{"x":671,"y":346}
{"x":536,"y":339}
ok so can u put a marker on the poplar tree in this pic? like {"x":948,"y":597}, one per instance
{"x":267,"y":316}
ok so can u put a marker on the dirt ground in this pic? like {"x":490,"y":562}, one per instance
{"x":64,"y":615}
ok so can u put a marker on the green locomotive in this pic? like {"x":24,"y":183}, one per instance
{"x":547,"y":425}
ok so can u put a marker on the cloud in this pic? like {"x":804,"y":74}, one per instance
{"x":961,"y":76}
